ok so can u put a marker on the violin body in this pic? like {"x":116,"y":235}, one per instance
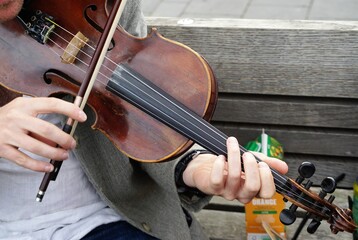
{"x":31,"y":68}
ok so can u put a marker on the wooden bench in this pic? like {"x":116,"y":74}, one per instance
{"x":296,"y":79}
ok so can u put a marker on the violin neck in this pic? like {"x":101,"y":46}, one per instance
{"x":139,"y":91}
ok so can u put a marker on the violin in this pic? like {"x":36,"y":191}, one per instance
{"x":153,"y":97}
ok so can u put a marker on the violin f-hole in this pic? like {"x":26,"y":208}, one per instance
{"x":47,"y":76}
{"x":94,"y":24}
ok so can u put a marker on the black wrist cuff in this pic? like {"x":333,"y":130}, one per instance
{"x":180,"y":168}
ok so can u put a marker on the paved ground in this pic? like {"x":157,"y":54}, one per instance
{"x":254,"y":9}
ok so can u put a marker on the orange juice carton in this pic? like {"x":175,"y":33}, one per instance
{"x":263,"y":215}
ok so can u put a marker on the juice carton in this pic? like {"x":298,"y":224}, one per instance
{"x":355,"y":207}
{"x":263,"y":215}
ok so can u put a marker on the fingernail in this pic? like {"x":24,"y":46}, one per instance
{"x":232,"y":140}
{"x":73,"y":144}
{"x":263,"y":165}
{"x":49,"y":168}
{"x":65,"y":155}
{"x":82,"y":115}
{"x":247,"y":155}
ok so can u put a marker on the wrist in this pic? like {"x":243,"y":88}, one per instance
{"x":182,"y":167}
{"x":189,"y":172}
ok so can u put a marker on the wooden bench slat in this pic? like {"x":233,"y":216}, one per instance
{"x":298,"y":141}
{"x":232,"y":227}
{"x":302,"y":112}
{"x":274,"y":57}
{"x":232,"y":224}
{"x":325,"y":167}
{"x":285,"y":79}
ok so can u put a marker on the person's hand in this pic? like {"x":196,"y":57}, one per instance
{"x":20,"y":128}
{"x":214,"y":175}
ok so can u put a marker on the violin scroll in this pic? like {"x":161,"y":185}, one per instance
{"x":342,"y":221}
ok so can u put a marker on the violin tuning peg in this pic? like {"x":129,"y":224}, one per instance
{"x":316,"y":222}
{"x":328,"y":185}
{"x":313,"y":226}
{"x":287,"y":216}
{"x":306,"y":169}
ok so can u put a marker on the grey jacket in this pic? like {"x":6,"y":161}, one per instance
{"x":145,"y":195}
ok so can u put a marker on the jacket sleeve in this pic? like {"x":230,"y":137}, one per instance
{"x":132,"y":19}
{"x":164,"y":174}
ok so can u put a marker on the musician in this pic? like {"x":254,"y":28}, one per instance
{"x":100,"y":193}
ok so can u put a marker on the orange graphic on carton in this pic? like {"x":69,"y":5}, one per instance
{"x":263,"y":215}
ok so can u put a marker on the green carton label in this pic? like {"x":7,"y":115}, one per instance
{"x":273,"y":147}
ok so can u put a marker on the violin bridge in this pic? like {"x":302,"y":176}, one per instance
{"x":74,"y":46}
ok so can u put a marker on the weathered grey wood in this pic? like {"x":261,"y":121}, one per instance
{"x":274,"y":57}
{"x":297,"y":111}
{"x":325,"y":167}
{"x":232,"y":224}
{"x":294,"y":140}
{"x":340,"y":200}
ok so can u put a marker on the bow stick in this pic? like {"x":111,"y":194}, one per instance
{"x":86,"y":86}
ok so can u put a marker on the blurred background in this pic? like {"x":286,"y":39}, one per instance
{"x":254,"y":9}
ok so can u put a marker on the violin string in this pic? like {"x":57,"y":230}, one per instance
{"x":70,"y":43}
{"x":223,"y":137}
{"x":189,"y":122}
{"x":110,"y":60}
{"x":79,"y":50}
{"x":109,"y":78}
{"x":286,"y":190}
{"x":115,"y":64}
{"x":78,"y":59}
{"x":279,"y":187}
